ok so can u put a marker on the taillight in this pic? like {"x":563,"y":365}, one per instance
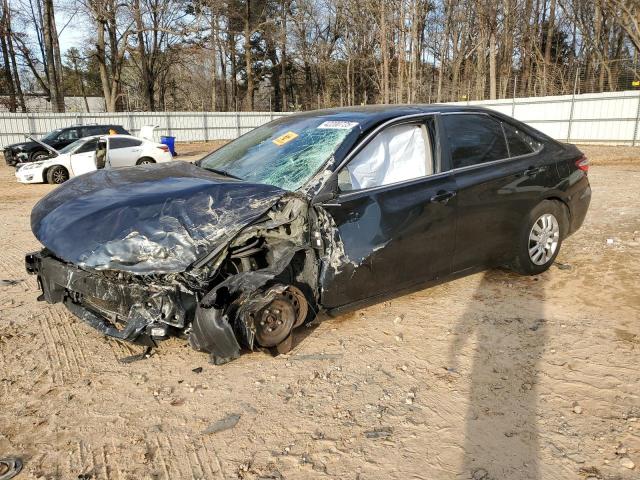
{"x":164,"y":148}
{"x":583,"y":163}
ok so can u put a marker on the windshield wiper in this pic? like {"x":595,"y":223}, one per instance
{"x":222,"y":172}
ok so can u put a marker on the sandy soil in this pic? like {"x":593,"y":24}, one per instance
{"x":494,"y":376}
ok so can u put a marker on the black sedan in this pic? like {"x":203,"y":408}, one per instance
{"x":312,"y":214}
{"x":59,"y":138}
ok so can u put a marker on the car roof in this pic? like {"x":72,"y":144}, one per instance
{"x":92,"y":125}
{"x":369,"y":115}
{"x":123,"y":135}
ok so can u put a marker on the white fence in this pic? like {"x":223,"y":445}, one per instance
{"x":608,"y":118}
{"x":185,"y":126}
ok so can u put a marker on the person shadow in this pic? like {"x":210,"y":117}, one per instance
{"x":506,"y":319}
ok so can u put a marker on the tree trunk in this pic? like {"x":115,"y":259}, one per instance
{"x":51,"y":55}
{"x":102,"y":67}
{"x":4,"y":46}
{"x":492,"y":65}
{"x":248,"y":99}
{"x":384,"y":51}
{"x":12,"y":56}
{"x":548,"y":66}
{"x":144,"y":59}
{"x":283,"y":57}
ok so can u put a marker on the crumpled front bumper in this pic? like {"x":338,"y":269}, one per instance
{"x":124,"y":310}
{"x":10,"y":157}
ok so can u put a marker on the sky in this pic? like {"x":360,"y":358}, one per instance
{"x":70,"y":30}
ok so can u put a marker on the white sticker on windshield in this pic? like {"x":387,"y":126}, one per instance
{"x":336,"y":125}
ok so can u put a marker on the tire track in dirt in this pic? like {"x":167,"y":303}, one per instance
{"x":64,"y":348}
{"x":53,"y":357}
{"x":183,"y":456}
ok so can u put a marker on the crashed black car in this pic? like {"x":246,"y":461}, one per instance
{"x":59,"y":138}
{"x":312,"y":214}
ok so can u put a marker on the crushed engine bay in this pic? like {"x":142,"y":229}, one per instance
{"x":246,"y":285}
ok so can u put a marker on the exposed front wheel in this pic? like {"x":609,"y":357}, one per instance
{"x":57,"y":175}
{"x":275,"y":321}
{"x":541,"y":237}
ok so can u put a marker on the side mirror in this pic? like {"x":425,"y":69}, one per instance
{"x":328,"y":192}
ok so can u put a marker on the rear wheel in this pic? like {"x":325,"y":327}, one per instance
{"x":541,"y":237}
{"x":145,"y":161}
{"x":57,"y":175}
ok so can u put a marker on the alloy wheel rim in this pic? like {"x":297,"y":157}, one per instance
{"x":543,"y":239}
{"x":59,"y":176}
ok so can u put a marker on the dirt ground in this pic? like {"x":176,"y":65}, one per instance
{"x":494,"y":376}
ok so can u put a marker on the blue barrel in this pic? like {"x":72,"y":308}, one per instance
{"x":169,"y":142}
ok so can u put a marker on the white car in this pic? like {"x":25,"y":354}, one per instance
{"x":90,"y":153}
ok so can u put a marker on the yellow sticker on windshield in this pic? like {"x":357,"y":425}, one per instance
{"x":286,"y":138}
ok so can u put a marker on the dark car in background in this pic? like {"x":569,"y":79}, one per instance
{"x":59,"y":138}
{"x":312,"y":214}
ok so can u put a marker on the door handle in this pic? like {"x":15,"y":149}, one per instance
{"x":443,"y":197}
{"x":531,"y":171}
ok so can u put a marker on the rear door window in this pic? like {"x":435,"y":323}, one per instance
{"x":474,"y":139}
{"x":117,"y":142}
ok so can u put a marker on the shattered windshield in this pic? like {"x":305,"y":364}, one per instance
{"x":284,"y":153}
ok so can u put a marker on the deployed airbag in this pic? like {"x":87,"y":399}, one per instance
{"x":395,"y":154}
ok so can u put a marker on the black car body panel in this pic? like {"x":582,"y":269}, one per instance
{"x":26,"y":151}
{"x":141,"y":253}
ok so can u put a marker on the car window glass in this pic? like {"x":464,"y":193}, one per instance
{"x":90,"y":131}
{"x":52,"y":135}
{"x":398,"y":153}
{"x":286,"y":152}
{"x":69,"y":134}
{"x":519,"y":142}
{"x":99,"y":130}
{"x":474,"y":139}
{"x":89,"y":146}
{"x":119,"y":142}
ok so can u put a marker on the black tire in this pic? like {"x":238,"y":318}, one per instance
{"x":541,"y":258}
{"x":57,"y":175}
{"x":39,"y":155}
{"x":145,"y":161}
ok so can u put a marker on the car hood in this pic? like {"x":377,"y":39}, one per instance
{"x":22,"y":146}
{"x":147,"y":219}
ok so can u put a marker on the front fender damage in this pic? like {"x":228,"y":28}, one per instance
{"x":212,"y":329}
{"x":220,"y":303}
{"x":225,"y":317}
